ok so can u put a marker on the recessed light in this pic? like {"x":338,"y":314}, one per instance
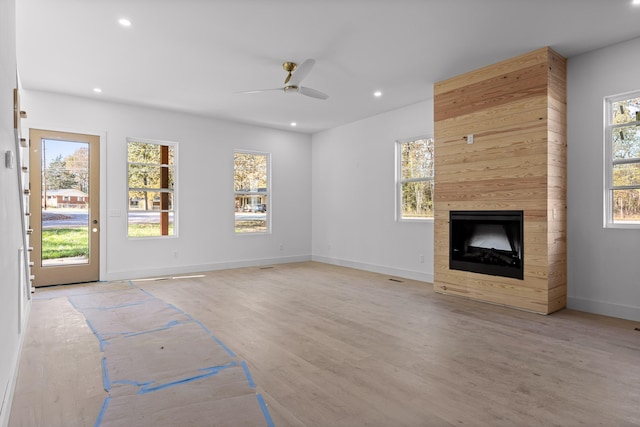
{"x":294,"y":124}
{"x":124,"y":22}
{"x":377,"y":94}
{"x":97,"y":90}
{"x":636,"y":2}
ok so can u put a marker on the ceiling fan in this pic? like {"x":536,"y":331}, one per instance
{"x":296,"y":73}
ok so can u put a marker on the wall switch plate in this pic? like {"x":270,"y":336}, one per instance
{"x":8,"y":159}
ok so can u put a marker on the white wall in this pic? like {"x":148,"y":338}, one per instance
{"x":13,"y":302}
{"x":603,"y":264}
{"x":354,"y":196}
{"x":206,"y":238}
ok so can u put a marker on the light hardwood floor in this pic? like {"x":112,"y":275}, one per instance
{"x":331,"y":346}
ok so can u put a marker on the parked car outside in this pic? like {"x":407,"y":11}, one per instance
{"x":260,"y":207}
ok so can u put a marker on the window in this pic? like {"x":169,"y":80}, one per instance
{"x":622,"y":161}
{"x":151,"y":169}
{"x":415,"y":179}
{"x":251,"y":187}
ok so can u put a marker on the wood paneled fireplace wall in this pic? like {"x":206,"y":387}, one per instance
{"x":500,"y":145}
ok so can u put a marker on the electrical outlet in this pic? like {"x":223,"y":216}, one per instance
{"x":421,"y":258}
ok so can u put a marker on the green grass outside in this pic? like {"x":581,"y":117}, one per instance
{"x":74,"y":242}
{"x":147,"y":230}
{"x":251,"y":226}
{"x":65,"y":243}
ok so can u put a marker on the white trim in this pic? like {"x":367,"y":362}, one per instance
{"x":380,"y":269}
{"x":609,"y":162}
{"x":173,"y":191}
{"x":268,"y":194}
{"x":198,"y":268}
{"x":102,"y":134}
{"x":399,"y":181}
{"x":8,"y":393}
{"x":604,"y":308}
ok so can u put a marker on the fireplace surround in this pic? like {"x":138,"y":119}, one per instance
{"x":501,"y":144}
{"x":487,"y":242}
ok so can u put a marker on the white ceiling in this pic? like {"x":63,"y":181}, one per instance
{"x":194,"y":55}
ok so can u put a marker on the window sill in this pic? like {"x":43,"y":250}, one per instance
{"x":418,"y":220}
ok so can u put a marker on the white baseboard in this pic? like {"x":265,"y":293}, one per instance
{"x":604,"y":308}
{"x":189,"y":269}
{"x":374,"y":268}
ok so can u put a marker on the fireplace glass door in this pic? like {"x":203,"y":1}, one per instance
{"x":487,"y":242}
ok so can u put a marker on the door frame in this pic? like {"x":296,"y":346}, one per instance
{"x":102,"y":135}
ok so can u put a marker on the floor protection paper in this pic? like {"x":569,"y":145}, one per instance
{"x":162,"y":367}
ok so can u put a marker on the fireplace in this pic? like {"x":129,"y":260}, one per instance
{"x":487,"y":242}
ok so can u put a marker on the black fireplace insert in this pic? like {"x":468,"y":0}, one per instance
{"x":487,"y":242}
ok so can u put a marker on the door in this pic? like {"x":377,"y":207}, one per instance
{"x":64,"y":207}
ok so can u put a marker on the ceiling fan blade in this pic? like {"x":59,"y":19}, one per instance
{"x":313,"y":93}
{"x":261,"y":90}
{"x":301,"y":72}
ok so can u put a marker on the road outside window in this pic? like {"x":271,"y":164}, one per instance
{"x":251,"y":188}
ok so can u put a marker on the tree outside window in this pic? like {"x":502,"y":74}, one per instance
{"x":251,"y":189}
{"x":623,"y":161}
{"x":415,"y":178}
{"x":151,"y":182}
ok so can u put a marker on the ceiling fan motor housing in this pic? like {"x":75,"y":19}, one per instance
{"x":289,"y":66}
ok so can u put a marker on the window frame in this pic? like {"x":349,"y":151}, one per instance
{"x":267,"y":193}
{"x":399,"y":180}
{"x":609,"y":162}
{"x":173,"y":191}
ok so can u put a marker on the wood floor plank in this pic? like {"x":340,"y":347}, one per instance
{"x":332,"y":346}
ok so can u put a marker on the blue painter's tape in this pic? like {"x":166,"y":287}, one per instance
{"x":177,"y":309}
{"x":94,"y":330}
{"x":199,"y":323}
{"x":169,"y":325}
{"x":265,"y":410}
{"x":211,"y":371}
{"x":227,"y":349}
{"x":133,"y":383}
{"x":248,"y":375}
{"x":101,"y":340}
{"x":102,"y":411}
{"x":147,"y":292}
{"x":105,"y":375}
{"x":72,"y":303}
{"x":114,"y":307}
